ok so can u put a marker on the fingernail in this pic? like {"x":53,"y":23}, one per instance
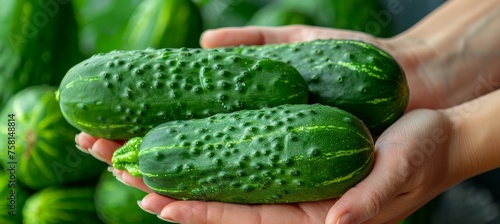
{"x":111,"y":170}
{"x":78,"y":145}
{"x":96,"y":155}
{"x":347,"y":218}
{"x":140,"y":206}
{"x":168,"y":220}
{"x":81,"y":149}
{"x":119,"y":178}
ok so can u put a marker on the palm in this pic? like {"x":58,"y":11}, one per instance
{"x":212,"y":212}
{"x":388,"y":189}
{"x":223,"y":213}
{"x":412,"y":166}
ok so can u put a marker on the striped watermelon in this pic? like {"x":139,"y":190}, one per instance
{"x":61,"y":205}
{"x":45,"y":152}
{"x":13,"y":195}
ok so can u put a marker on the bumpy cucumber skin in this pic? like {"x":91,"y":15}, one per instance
{"x":123,"y":94}
{"x":286,"y":154}
{"x":355,"y":76}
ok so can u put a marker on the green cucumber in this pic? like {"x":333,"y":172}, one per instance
{"x":284,"y":154}
{"x":226,"y":13}
{"x":355,"y":76}
{"x":123,"y":94}
{"x":101,"y":26}
{"x":160,"y":23}
{"x":38,"y":44}
{"x":360,"y":15}
{"x":276,"y":14}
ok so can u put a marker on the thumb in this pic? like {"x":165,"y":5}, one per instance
{"x":367,"y":199}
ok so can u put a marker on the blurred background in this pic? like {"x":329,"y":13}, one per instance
{"x":41,"y":39}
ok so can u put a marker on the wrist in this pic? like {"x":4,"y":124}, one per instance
{"x":474,"y":140}
{"x":462,"y":163}
{"x":454,"y":58}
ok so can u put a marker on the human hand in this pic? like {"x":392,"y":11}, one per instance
{"x":420,"y":156}
{"x":103,"y":149}
{"x":413,"y":55}
{"x":205,"y":212}
{"x":412,"y":166}
{"x":213,"y":212}
{"x":414,"y":162}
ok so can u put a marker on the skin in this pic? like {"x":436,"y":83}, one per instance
{"x":447,"y":135}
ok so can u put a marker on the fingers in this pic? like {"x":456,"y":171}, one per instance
{"x":129,"y":180}
{"x":154,"y":203}
{"x":84,"y":141}
{"x":196,"y":212}
{"x":367,"y":199}
{"x":405,"y":175}
{"x":103,"y":150}
{"x":99,"y":148}
{"x":256,"y":35}
{"x":188,"y":212}
{"x":358,"y":205}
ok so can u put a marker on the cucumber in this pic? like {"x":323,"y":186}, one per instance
{"x":101,"y":25}
{"x":277,"y":14}
{"x":284,"y":154}
{"x":363,"y":16}
{"x":160,"y":23}
{"x":359,"y":15}
{"x":38,"y":44}
{"x":355,"y":76}
{"x":227,"y":13}
{"x":123,"y":94}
